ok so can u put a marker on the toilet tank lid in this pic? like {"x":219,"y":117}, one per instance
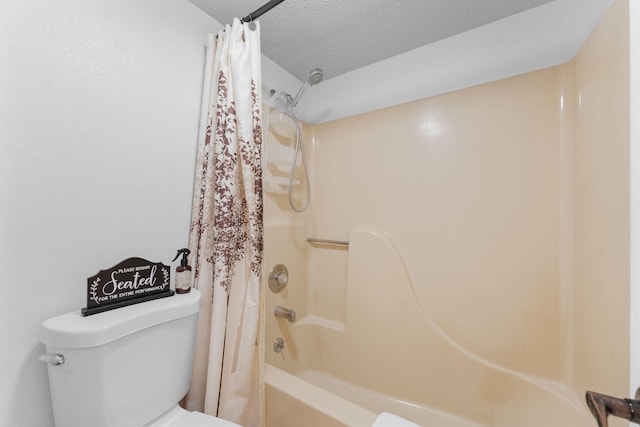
{"x":72,"y":330}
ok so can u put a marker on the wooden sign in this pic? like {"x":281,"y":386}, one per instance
{"x":132,"y":281}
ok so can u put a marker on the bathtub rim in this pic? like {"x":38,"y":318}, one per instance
{"x":317,"y":398}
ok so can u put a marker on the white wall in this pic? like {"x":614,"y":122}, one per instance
{"x":99,"y":110}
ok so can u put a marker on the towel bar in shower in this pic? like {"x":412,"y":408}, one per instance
{"x":328,"y":241}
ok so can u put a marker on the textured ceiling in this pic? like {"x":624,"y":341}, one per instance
{"x":340,"y":35}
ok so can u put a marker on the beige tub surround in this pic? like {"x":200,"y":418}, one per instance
{"x":602,"y":222}
{"x":469,"y":186}
{"x":486,"y":276}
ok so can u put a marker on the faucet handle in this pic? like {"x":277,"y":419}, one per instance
{"x":278,"y":278}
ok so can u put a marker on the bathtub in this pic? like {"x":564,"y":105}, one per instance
{"x":315,"y":399}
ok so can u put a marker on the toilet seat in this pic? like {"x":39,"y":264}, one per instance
{"x":198,"y":419}
{"x":179,"y":417}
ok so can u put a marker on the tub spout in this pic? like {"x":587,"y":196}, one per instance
{"x":285,"y":313}
{"x":602,"y":405}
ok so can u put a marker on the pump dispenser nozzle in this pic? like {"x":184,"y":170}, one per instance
{"x":183,"y":272}
{"x":185,"y":253}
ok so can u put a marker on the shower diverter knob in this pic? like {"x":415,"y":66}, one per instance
{"x":278,"y":278}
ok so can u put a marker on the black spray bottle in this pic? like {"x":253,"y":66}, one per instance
{"x":183,"y":272}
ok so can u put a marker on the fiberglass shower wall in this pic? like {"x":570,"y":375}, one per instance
{"x":467,"y":185}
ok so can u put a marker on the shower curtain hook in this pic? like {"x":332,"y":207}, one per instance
{"x":252,"y":24}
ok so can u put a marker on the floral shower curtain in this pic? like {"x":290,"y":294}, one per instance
{"x":226,"y":230}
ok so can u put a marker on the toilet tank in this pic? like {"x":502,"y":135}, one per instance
{"x":124,"y":367}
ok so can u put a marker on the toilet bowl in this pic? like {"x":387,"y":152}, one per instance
{"x":127,"y":367}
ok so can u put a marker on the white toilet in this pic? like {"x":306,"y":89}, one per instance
{"x":127,"y":367}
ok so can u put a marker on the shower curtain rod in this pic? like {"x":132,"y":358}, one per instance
{"x":261,"y":10}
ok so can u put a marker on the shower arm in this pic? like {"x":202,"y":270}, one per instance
{"x":602,"y":405}
{"x":294,"y":101}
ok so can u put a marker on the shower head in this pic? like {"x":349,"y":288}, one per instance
{"x":315,"y":76}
